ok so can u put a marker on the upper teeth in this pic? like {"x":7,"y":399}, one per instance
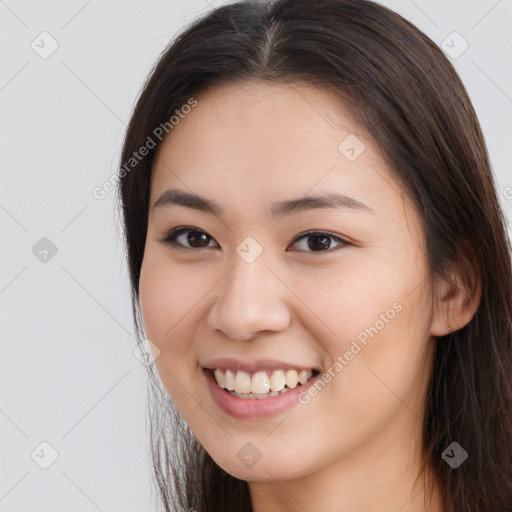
{"x":261,"y":382}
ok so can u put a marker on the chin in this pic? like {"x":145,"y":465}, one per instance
{"x":276,"y":466}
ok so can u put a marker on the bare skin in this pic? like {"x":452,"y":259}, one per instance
{"x":355,"y":445}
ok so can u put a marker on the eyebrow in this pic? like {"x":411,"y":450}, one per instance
{"x":279,"y":209}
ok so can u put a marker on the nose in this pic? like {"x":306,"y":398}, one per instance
{"x":251,"y":301}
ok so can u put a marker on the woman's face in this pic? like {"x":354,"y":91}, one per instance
{"x":246,"y":289}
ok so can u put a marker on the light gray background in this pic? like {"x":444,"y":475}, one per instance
{"x":68,"y":373}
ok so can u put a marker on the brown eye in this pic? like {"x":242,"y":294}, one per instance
{"x":197,"y":239}
{"x":317,"y":241}
{"x":188,"y":237}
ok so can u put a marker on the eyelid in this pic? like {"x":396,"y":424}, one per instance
{"x":179,"y":230}
{"x":343,"y":242}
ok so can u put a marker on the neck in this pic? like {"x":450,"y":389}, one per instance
{"x":384,"y":476}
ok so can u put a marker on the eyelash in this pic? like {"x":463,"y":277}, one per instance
{"x":170,"y":239}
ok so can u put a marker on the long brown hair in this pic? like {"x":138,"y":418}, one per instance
{"x":411,"y":100}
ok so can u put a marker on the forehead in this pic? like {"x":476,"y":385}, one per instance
{"x":264,"y":141}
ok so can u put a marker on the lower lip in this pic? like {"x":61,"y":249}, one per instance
{"x":254,"y":408}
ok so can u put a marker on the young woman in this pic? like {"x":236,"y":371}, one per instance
{"x":319,"y":260}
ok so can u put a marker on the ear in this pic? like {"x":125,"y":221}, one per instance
{"x":456,"y":301}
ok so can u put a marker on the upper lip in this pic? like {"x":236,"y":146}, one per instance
{"x":255,"y":366}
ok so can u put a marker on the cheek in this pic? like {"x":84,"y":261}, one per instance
{"x":167,"y":299}
{"x":373,"y":319}
{"x":170,"y":303}
{"x":167,"y":295}
{"x":365,"y":291}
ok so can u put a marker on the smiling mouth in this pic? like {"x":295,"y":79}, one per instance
{"x":263,"y":384}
